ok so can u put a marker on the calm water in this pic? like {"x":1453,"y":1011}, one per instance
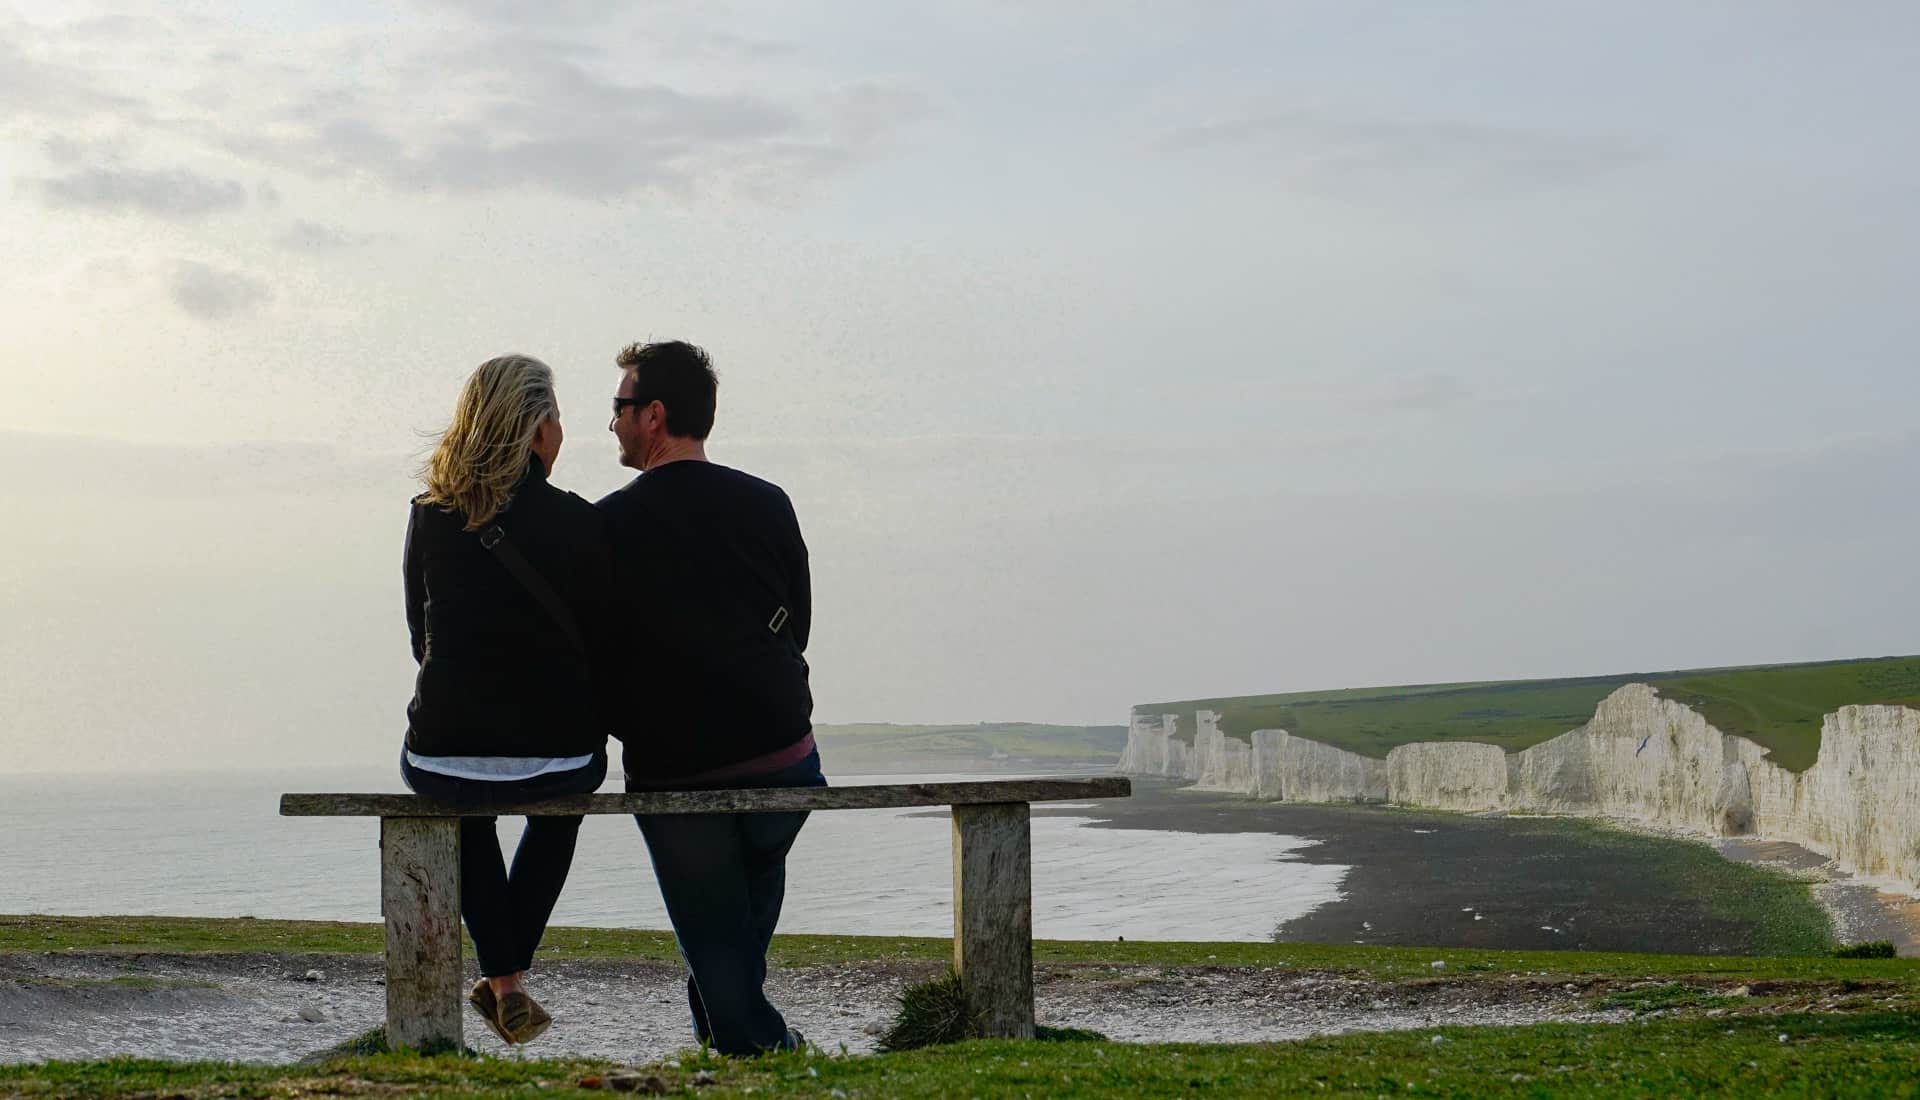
{"x":215,"y":845}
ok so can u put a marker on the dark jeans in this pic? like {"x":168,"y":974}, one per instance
{"x":506,"y":912}
{"x":723,"y":877}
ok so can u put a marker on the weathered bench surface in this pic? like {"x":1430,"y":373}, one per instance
{"x":992,"y":881}
{"x":771,"y":800}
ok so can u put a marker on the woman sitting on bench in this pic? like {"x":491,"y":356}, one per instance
{"x":504,"y":578}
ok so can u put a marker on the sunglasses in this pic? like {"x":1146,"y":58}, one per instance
{"x":621,"y":403}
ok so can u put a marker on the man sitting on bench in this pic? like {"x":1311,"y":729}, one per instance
{"x":711,"y":585}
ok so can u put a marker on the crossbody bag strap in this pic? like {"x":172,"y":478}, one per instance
{"x":495,"y":541}
{"x":776,"y":620}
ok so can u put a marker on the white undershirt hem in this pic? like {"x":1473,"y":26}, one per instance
{"x":497,"y":769}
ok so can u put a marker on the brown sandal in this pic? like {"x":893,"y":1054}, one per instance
{"x":483,"y":1002}
{"x":521,"y":1018}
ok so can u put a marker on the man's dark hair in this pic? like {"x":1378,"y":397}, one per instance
{"x":679,"y":376}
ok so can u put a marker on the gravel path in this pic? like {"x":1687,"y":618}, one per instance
{"x":272,"y":1008}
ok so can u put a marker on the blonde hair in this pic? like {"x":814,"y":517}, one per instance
{"x":483,"y":452}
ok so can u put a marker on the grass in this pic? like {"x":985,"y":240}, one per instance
{"x":1778,"y":706}
{"x":244,"y":935}
{"x":138,"y":982}
{"x":1770,"y":912}
{"x":1877,"y":949}
{"x":930,"y":1013}
{"x":1664,"y":998}
{"x":1867,"y":1045}
{"x":934,"y":1011}
{"x":1859,"y":1054}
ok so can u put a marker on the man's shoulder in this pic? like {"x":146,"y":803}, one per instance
{"x":748,"y":483}
{"x":690,"y":477}
{"x":622,"y":497}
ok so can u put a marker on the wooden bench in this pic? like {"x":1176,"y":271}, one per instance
{"x":992,"y":883}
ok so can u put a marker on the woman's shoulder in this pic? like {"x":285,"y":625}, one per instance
{"x":566,"y":513}
{"x":566,"y":502}
{"x":422,"y":509}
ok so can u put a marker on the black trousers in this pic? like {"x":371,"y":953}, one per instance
{"x":724,"y":878}
{"x":506,"y":910}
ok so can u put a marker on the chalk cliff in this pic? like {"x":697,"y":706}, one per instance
{"x":1641,"y":757}
{"x":1295,"y":769}
{"x":1154,"y":748}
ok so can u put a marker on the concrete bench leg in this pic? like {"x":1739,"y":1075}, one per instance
{"x":420,"y":899}
{"x":993,"y":916}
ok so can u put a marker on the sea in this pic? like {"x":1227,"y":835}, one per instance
{"x":213,"y":844}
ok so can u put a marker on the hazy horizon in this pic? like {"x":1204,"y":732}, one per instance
{"x":1178,"y":353}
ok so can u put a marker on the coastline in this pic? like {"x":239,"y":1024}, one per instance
{"x":1641,"y":755}
{"x":1863,"y":910}
{"x":1439,"y":878}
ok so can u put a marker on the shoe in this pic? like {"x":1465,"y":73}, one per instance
{"x":522,"y":1020}
{"x":795,"y":1040}
{"x":483,"y":1002}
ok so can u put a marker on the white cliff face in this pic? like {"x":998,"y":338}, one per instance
{"x":1294,"y":769}
{"x":1221,"y":763}
{"x":1641,"y":757}
{"x":1861,"y":802}
{"x":1448,"y":776}
{"x":1276,"y":766}
{"x":1646,"y":758}
{"x":1151,"y":748}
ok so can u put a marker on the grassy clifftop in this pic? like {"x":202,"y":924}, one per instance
{"x":1702,"y":1026}
{"x":1778,"y":706}
{"x":1860,"y":1053}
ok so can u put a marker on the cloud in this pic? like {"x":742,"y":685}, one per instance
{"x":87,"y":467}
{"x":316,"y":237}
{"x":64,"y":150}
{"x":215,"y":294}
{"x":558,"y":125}
{"x":117,"y":27}
{"x":520,"y":13}
{"x":477,"y":97}
{"x":32,"y":87}
{"x":90,"y":278}
{"x":175,"y":193}
{"x":727,"y":44}
{"x":677,"y":29}
{"x":1371,"y":158}
{"x":1420,"y":393}
{"x":870,"y":112}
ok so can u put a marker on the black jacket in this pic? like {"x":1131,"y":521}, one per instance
{"x":498,"y":676}
{"x":708,"y":560}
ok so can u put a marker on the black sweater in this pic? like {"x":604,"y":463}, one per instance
{"x":498,"y":676}
{"x":704,"y":559}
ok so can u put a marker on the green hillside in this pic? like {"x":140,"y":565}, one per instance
{"x":1778,"y":706}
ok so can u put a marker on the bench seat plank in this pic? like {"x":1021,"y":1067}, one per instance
{"x":775,"y":800}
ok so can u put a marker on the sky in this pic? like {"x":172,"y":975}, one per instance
{"x":1109,"y":353}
